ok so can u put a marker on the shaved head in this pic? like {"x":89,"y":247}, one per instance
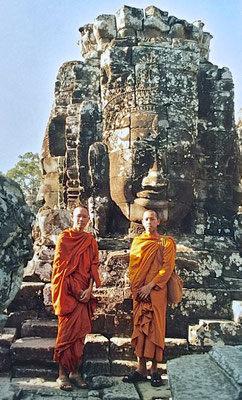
{"x":80,"y":218}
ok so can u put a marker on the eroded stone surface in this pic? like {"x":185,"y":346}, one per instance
{"x":120,"y":391}
{"x":229,"y":358}
{"x":16,"y":245}
{"x":198,"y":377}
{"x":214,"y":333}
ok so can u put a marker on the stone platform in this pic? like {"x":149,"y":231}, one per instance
{"x":101,"y":387}
{"x":215,"y":375}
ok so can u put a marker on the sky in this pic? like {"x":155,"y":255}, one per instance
{"x":38,"y":36}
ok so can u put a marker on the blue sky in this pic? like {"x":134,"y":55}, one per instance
{"x":37,"y":36}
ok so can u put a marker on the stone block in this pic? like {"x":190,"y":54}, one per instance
{"x":120,"y":391}
{"x":148,"y":392}
{"x":215,"y":332}
{"x":116,"y":269}
{"x":129,"y":17}
{"x":121,"y":349}
{"x":119,"y":324}
{"x":7,"y":337}
{"x":5,"y":359}
{"x":237,"y":310}
{"x":197,"y":304}
{"x":96,"y":346}
{"x":40,"y":327}
{"x":43,"y":270}
{"x":156,"y":19}
{"x":195,"y":343}
{"x":47,"y":298}
{"x":105,"y":27}
{"x":96,"y":366}
{"x":15,"y":319}
{"x":229,"y":358}
{"x":35,"y":371}
{"x":29,"y":297}
{"x":198,"y":377}
{"x":175,"y":348}
{"x":101,"y":382}
{"x":33,"y":349}
{"x":98,"y":323}
{"x":122,"y":367}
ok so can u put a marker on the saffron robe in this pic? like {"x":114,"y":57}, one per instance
{"x":151,"y":259}
{"x":75,"y":263}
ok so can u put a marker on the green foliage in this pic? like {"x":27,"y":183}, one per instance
{"x":27,"y":174}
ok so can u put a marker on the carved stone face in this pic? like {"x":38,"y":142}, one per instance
{"x":150,"y":141}
{"x":151,"y":173}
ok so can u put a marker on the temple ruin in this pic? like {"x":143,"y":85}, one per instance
{"x":144,"y":121}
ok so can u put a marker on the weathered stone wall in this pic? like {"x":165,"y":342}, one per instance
{"x":16,"y":245}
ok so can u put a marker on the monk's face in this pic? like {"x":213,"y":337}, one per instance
{"x":150,"y":222}
{"x":80,"y":219}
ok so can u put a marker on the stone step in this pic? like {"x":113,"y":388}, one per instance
{"x":33,"y":349}
{"x":40,"y":327}
{"x":199,"y":377}
{"x":117,"y":348}
{"x":175,"y":348}
{"x":28,"y":298}
{"x":33,"y":356}
{"x":7,"y":337}
{"x":209,"y":333}
{"x":33,"y":371}
{"x":229,"y":358}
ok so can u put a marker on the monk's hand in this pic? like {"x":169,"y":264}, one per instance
{"x":144,"y":291}
{"x":85,"y":295}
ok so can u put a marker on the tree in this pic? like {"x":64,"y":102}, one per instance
{"x":27,"y":174}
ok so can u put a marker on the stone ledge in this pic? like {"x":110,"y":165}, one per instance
{"x":229,"y":358}
{"x":198,"y":377}
{"x":7,"y":337}
{"x":40,"y":327}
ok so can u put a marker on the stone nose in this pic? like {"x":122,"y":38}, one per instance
{"x":155,"y":178}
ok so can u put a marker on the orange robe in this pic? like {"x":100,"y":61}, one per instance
{"x":151,"y":259}
{"x":75,"y":263}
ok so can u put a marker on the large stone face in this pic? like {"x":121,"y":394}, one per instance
{"x":15,"y":241}
{"x":144,"y":122}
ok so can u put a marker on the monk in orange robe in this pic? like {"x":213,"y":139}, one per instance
{"x":152,"y":260}
{"x":75,"y":269}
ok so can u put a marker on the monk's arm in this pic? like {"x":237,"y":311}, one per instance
{"x":168,"y":264}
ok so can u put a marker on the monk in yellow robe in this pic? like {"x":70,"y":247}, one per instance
{"x":152,"y":260}
{"x":75,"y":269}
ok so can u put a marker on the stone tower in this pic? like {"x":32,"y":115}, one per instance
{"x":145,"y":121}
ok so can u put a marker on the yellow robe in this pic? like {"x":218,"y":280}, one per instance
{"x":151,"y":259}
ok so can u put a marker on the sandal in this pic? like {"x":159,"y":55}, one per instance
{"x":133,"y":377}
{"x":78,"y":381}
{"x":156,"y":379}
{"x":64,"y":383}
